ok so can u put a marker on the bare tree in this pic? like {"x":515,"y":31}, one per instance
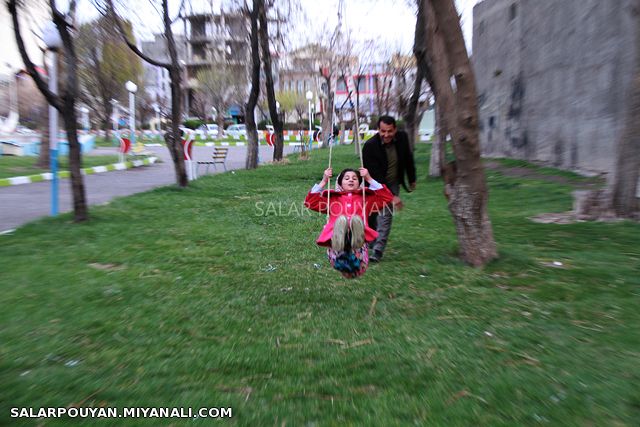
{"x":424,"y":68}
{"x":173,"y":138}
{"x":105,"y":64}
{"x":220,"y":87}
{"x":250,"y":107}
{"x":65,"y":103}
{"x":278,"y":127}
{"x":466,"y":186}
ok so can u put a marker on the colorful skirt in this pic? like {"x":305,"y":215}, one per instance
{"x":350,"y":263}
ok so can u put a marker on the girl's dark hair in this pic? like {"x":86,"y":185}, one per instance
{"x":349,"y":170}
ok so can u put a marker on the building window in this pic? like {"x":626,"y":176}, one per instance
{"x":513,"y":12}
{"x":481,"y":28}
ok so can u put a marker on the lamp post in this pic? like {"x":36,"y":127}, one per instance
{"x":132,"y":88}
{"x":52,"y":39}
{"x":85,"y":118}
{"x":115,"y":117}
{"x":156,"y":108}
{"x":309,"y":98}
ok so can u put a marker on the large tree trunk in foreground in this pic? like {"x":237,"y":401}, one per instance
{"x":624,"y":200}
{"x":250,"y":118}
{"x":467,"y":189}
{"x":436,"y":162}
{"x":271,"y":97}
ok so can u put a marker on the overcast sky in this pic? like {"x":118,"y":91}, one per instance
{"x":389,"y":22}
{"x":383,"y":20}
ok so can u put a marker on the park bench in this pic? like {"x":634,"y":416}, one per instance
{"x":219,"y":156}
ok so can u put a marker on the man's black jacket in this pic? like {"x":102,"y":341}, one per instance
{"x":374,"y":157}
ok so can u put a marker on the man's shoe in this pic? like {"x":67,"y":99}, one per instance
{"x":339,"y":233}
{"x":357,"y":232}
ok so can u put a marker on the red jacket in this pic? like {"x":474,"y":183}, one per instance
{"x":348,"y":203}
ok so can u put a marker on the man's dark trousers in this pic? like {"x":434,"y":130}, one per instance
{"x":381,"y":222}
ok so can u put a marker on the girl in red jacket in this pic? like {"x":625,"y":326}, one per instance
{"x":346,"y":233}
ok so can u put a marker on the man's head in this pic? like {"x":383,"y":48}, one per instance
{"x":387,"y":128}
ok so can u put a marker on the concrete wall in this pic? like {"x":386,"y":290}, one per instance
{"x":553,"y":76}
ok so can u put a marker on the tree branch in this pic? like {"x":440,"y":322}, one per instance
{"x":52,"y":98}
{"x":112,"y":11}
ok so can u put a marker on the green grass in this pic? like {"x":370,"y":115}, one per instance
{"x":11,"y":166}
{"x":218,"y":301}
{"x":571,"y":176}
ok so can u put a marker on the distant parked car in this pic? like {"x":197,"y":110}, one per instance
{"x":235,"y":131}
{"x":209,"y":130}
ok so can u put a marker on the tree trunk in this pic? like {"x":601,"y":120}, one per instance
{"x":624,"y":185}
{"x":467,"y":192}
{"x":271,"y":97}
{"x":436,"y":162}
{"x":106,"y":119}
{"x":175,"y":75}
{"x":220,"y":123}
{"x":80,"y":212}
{"x":252,"y":130}
{"x":327,"y":117}
{"x":173,"y":137}
{"x":411,"y":115}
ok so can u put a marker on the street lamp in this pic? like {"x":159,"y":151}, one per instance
{"x":132,"y":88}
{"x":156,"y":108}
{"x":52,"y":39}
{"x":309,"y":98}
{"x":85,"y":118}
{"x":115,"y":116}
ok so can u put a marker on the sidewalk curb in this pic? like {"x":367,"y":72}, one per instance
{"x":235,"y":144}
{"x":19,"y":180}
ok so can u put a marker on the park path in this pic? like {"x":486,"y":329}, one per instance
{"x":20,"y":204}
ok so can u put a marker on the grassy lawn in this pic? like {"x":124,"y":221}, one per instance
{"x":11,"y":166}
{"x":225,"y":301}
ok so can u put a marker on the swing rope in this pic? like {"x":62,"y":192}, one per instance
{"x":356,"y":137}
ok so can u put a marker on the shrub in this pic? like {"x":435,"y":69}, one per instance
{"x":193,"y":123}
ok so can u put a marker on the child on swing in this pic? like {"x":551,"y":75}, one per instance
{"x":346,"y":232}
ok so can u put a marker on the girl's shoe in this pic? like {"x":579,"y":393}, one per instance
{"x":357,"y":232}
{"x":339,"y":233}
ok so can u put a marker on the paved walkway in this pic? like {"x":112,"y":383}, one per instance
{"x":20,"y":204}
